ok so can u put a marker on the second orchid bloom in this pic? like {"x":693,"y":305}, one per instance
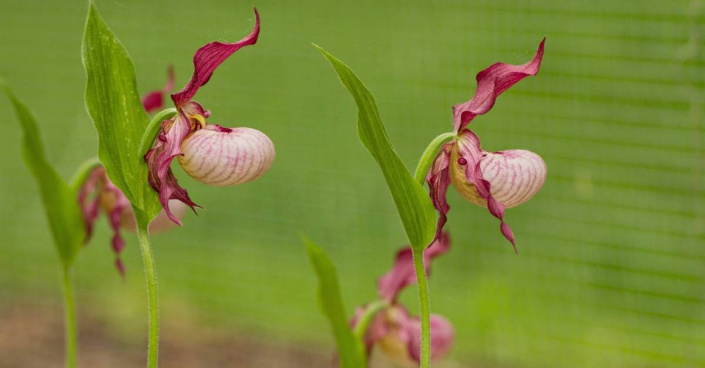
{"x":496,"y":180}
{"x":393,"y":329}
{"x":209,"y":153}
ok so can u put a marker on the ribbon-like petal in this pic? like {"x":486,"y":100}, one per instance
{"x":403,"y":274}
{"x":208,"y":58}
{"x":491,"y":82}
{"x":89,"y":199}
{"x":115,"y":213}
{"x":161,"y":178}
{"x":438,"y":179}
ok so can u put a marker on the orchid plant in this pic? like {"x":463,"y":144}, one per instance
{"x":496,"y":180}
{"x":72,"y":209}
{"x":72,"y":213}
{"x":388,"y":324}
{"x":133,"y":184}
{"x":383,"y":323}
{"x":136,"y":152}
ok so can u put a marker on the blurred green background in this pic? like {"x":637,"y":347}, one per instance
{"x":611,"y":264}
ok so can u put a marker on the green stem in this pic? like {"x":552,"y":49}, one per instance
{"x":69,"y":320}
{"x":364,"y":322}
{"x":430,"y":154}
{"x":425,"y":163}
{"x":153,"y":128}
{"x":152,"y":292}
{"x":424,"y":307}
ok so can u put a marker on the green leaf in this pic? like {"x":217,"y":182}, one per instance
{"x":412,"y":201}
{"x":114,"y":104}
{"x":59,"y":199}
{"x":350,"y":349}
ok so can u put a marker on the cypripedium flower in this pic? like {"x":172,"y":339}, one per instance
{"x":496,"y":180}
{"x":209,"y":153}
{"x":397,"y":333}
{"x":98,"y":193}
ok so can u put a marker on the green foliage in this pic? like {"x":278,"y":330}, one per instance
{"x":412,"y":201}
{"x":350,"y":349}
{"x":59,"y":199}
{"x":114,"y":104}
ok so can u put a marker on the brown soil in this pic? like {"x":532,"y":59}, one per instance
{"x":32,"y":336}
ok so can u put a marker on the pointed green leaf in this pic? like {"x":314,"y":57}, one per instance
{"x":412,"y":201}
{"x":59,"y":199}
{"x":350,"y":349}
{"x":114,"y":104}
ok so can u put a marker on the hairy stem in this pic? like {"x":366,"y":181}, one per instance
{"x":69,"y":320}
{"x":425,"y":163}
{"x":424,"y":308}
{"x":430,"y":154}
{"x":152,"y":292}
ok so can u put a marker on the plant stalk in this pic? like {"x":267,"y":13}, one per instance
{"x":152,"y":292}
{"x":425,"y":163}
{"x":69,"y":320}
{"x":424,"y":308}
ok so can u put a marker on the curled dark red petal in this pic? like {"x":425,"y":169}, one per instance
{"x":402,"y":273}
{"x":115,"y":212}
{"x":438,"y":179}
{"x":155,"y":100}
{"x":491,"y":82}
{"x":161,"y":178}
{"x":208,"y":58}
{"x":89,"y":199}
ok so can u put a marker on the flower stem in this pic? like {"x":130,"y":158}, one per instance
{"x":152,"y":292}
{"x":430,"y":154}
{"x":69,"y":320}
{"x":425,"y":163}
{"x":424,"y":308}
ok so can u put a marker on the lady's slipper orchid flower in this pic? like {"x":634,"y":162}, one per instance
{"x":496,"y":180}
{"x":99,"y":193}
{"x":209,"y":153}
{"x":392,"y":329}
